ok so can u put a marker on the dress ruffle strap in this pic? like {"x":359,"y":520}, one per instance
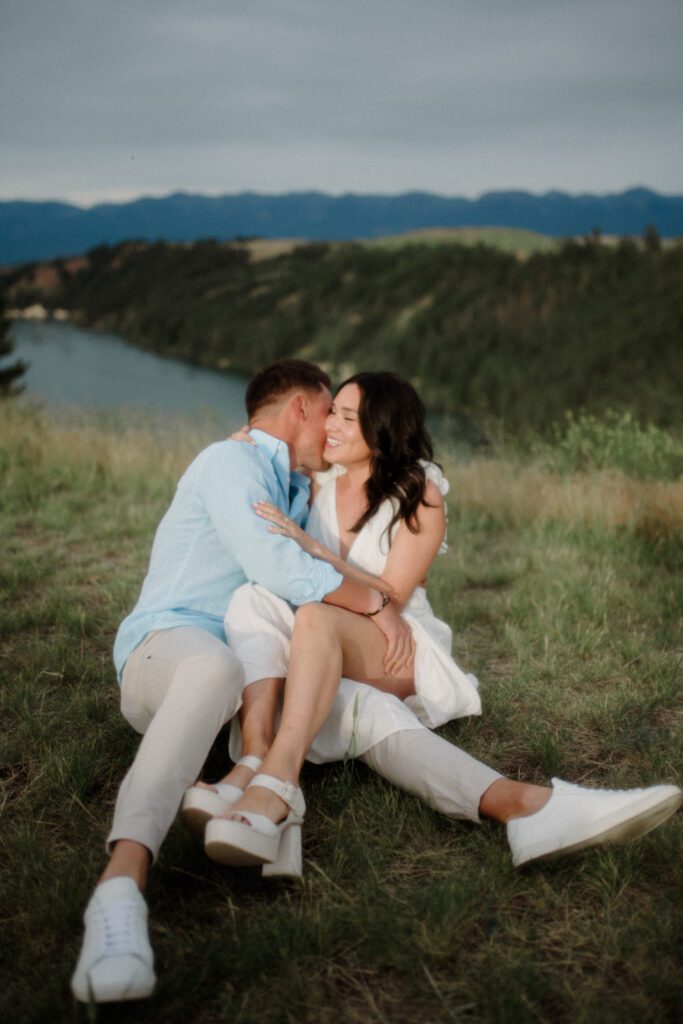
{"x":435,"y":476}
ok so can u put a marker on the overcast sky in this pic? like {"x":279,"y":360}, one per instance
{"x":110,"y":99}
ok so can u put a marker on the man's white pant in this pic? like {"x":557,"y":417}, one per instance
{"x":179,"y":686}
{"x":437,"y":772}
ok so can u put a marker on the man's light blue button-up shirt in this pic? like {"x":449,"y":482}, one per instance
{"x":211,"y":541}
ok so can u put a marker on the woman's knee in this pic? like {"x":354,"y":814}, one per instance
{"x":314,"y":617}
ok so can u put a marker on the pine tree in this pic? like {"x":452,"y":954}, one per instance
{"x":651,"y":239}
{"x":10,"y":373}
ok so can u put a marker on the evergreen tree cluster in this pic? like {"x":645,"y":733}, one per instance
{"x":10,"y":373}
{"x":480,"y":332}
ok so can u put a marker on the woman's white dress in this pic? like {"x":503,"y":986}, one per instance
{"x":259,"y":626}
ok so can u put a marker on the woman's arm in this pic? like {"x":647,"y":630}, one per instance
{"x":412,"y":554}
{"x":282,"y":524}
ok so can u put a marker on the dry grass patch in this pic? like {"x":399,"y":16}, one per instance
{"x":608,"y":499}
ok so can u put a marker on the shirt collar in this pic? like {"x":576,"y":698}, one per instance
{"x":278,"y":453}
{"x":295,"y":486}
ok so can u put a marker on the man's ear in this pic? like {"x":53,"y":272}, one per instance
{"x":300,"y":406}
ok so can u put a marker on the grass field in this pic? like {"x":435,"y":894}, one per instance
{"x":563,"y":587}
{"x":513,"y":240}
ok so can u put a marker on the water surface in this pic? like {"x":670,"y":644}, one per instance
{"x":69,"y":365}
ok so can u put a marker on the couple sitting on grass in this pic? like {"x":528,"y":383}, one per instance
{"x":315,"y":644}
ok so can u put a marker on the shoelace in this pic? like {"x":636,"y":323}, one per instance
{"x":119,"y":929}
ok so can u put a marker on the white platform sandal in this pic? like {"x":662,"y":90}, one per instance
{"x":200,"y":805}
{"x":276,"y":846}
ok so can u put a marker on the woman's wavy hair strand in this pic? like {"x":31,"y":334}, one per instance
{"x":392,"y":421}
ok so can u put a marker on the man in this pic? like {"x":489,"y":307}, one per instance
{"x":179,"y":680}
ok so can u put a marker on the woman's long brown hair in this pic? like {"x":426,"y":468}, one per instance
{"x":392,"y":421}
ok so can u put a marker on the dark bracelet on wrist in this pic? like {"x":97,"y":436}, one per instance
{"x":385,"y":601}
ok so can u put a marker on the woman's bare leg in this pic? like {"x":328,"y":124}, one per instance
{"x":257,"y":722}
{"x":327,"y":643}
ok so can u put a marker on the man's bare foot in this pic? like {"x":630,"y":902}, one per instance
{"x":506,"y":799}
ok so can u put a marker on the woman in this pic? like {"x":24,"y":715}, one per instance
{"x":392,"y":503}
{"x":381,"y":511}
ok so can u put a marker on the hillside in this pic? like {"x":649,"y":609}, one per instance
{"x":40,"y":230}
{"x":481,"y":333}
{"x":561,"y":594}
{"x":514,"y":240}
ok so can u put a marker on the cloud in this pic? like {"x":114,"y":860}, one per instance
{"x":381,"y":95}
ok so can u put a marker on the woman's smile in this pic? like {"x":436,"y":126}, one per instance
{"x":344,"y":419}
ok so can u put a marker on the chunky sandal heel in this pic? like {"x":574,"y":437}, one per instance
{"x":257,"y":839}
{"x":200,"y":805}
{"x":289,"y":862}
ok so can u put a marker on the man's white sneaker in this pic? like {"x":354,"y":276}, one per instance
{"x":116,"y":960}
{"x":575,"y":817}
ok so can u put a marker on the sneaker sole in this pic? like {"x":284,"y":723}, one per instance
{"x":140,"y":988}
{"x":619,"y":827}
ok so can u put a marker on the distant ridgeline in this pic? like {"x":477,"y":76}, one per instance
{"x":480,"y":331}
{"x":33,"y":230}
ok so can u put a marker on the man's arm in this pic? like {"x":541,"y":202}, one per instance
{"x":357,"y":597}
{"x":283,"y":524}
{"x":233,"y":478}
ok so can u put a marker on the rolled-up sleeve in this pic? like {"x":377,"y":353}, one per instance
{"x":233,"y":476}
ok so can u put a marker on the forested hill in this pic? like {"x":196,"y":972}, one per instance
{"x":42,"y":230}
{"x":480,"y":331}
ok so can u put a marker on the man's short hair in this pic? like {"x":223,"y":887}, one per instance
{"x":280,"y":378}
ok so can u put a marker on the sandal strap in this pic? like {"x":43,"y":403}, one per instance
{"x":226,"y":791}
{"x":287,"y":791}
{"x":249,"y":761}
{"x":261,"y":823}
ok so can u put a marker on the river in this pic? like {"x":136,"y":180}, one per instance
{"x":70,"y":366}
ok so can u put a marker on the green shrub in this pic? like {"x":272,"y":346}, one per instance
{"x":615,"y":440}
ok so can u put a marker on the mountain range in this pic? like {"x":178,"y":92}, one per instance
{"x":35,"y":230}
